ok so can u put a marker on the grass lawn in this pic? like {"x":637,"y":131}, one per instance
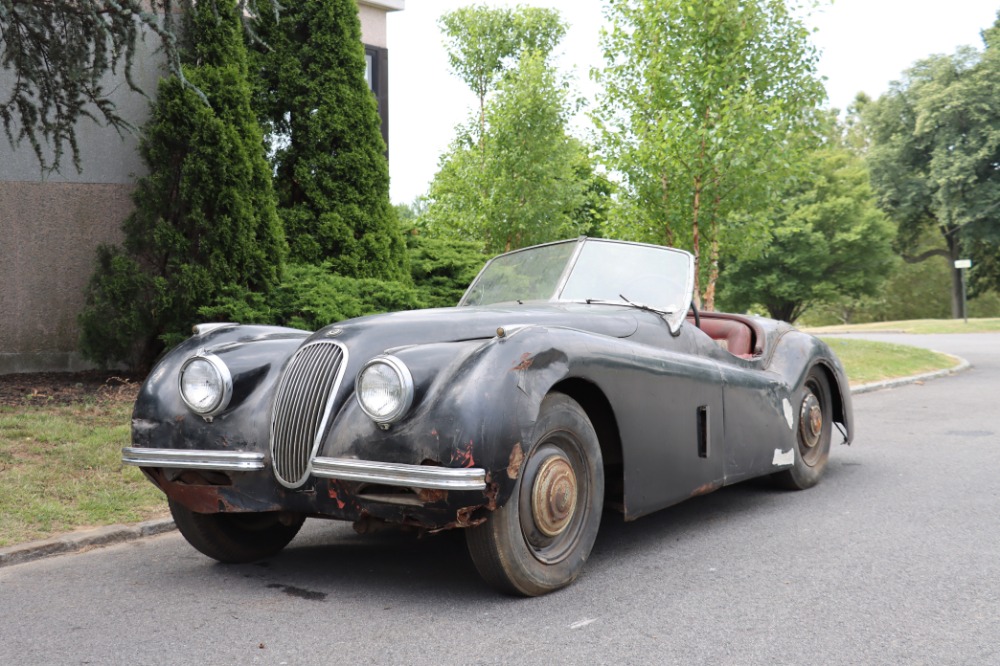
{"x":925,"y":326}
{"x":61,"y":470}
{"x":868,"y":361}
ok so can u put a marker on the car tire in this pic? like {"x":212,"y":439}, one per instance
{"x":539,"y":540}
{"x":235,"y":538}
{"x":813,"y":434}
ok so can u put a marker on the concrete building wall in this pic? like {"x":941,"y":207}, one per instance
{"x":52,"y":224}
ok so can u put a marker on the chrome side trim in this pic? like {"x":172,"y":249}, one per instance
{"x":223,"y":461}
{"x":396,"y":474}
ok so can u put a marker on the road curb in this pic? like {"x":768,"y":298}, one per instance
{"x":78,"y":541}
{"x":113,"y":534}
{"x":962,"y":366}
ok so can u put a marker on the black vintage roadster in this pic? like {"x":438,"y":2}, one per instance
{"x":571,"y":376}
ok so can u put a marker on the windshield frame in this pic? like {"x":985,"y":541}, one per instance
{"x":673,"y":318}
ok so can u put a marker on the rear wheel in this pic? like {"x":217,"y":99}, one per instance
{"x":540,"y":539}
{"x":236,"y":537}
{"x":813,"y":427}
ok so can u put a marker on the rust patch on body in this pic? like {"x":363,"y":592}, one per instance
{"x":463,"y":518}
{"x":491,"y":492}
{"x":204,"y":498}
{"x":463,"y":457}
{"x":516,"y":458}
{"x":432,"y":495}
{"x":526,"y":361}
{"x":335,"y":496}
{"x":706,"y":488}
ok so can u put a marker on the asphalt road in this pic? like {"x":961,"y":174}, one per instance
{"x":893,"y":559}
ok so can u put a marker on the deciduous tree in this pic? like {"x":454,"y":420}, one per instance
{"x":513,"y":176}
{"x":516,"y":184}
{"x":830,"y":241}
{"x":703,"y":108}
{"x":934,"y":155}
{"x":484,"y":43}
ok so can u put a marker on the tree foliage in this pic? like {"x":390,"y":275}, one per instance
{"x":830,"y":241}
{"x":703,"y":109}
{"x":205,"y":222}
{"x":311,"y":297}
{"x":484,"y":42}
{"x":513,"y":176}
{"x":516,"y":184}
{"x":935,"y":151}
{"x":332,"y":176}
{"x":65,"y":58}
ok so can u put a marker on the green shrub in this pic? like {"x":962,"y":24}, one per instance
{"x":205,"y":221}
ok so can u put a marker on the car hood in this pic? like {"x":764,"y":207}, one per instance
{"x":471,"y":323}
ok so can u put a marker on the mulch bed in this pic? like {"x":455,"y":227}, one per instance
{"x":67,"y":388}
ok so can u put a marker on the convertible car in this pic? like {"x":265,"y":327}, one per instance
{"x":571,"y":377}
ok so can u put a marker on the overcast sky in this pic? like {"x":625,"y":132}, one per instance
{"x":864,"y":45}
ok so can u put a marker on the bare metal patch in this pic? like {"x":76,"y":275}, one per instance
{"x":789,"y":413}
{"x":783,"y":458}
{"x":514,"y":465}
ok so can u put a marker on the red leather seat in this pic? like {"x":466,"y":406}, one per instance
{"x":733,"y":336}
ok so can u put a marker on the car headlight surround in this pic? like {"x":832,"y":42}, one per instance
{"x":384,"y":389}
{"x":206,"y":384}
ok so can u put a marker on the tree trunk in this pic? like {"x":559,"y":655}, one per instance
{"x":713,"y":274}
{"x":668,"y":233}
{"x":695,"y":241}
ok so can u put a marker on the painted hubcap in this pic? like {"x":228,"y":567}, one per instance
{"x":553,"y":496}
{"x":810,"y":421}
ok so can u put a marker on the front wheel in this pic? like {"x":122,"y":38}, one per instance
{"x":813,"y":427}
{"x":235,"y":538}
{"x":540,"y":539}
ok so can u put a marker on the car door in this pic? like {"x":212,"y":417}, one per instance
{"x":673,"y":440}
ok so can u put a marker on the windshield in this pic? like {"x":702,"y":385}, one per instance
{"x":589,"y":270}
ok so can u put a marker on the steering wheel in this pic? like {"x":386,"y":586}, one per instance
{"x":697,"y":317}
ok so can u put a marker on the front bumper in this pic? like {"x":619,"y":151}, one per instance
{"x":222,"y":461}
{"x":424,"y":477}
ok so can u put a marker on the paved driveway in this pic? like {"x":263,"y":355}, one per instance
{"x":893,"y":559}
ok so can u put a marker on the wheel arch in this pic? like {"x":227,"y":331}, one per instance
{"x":598,"y":408}
{"x":840,"y":404}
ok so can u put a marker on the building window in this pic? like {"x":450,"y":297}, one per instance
{"x":377,"y":74}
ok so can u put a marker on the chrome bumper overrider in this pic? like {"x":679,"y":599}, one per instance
{"x":345,"y":469}
{"x":226,"y":461}
{"x":395,"y":474}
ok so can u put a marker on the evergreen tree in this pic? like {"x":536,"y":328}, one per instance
{"x":205,"y":222}
{"x":332,"y":176}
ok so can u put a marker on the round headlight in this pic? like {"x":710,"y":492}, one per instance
{"x":385,"y":389}
{"x":206,"y":384}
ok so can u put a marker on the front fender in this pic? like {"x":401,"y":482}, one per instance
{"x":475,"y":405}
{"x":254,"y":355}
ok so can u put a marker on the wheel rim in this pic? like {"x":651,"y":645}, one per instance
{"x":553,"y":496}
{"x":812,"y":424}
{"x":554,"y":486}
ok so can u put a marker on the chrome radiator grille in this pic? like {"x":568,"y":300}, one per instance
{"x":302,"y":408}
